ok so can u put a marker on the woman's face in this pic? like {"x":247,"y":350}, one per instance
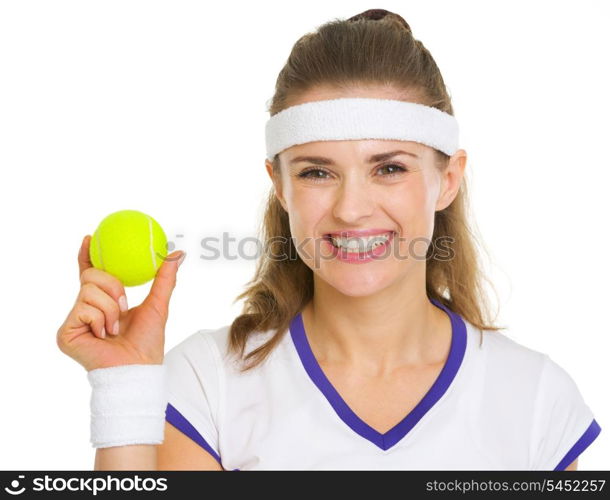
{"x":350,"y":190}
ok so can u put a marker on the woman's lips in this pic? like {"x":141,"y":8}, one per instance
{"x":328,"y":238}
{"x":362,"y":232}
{"x":358,"y":257}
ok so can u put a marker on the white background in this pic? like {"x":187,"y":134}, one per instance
{"x":161,"y":106}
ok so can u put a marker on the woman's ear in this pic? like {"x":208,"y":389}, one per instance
{"x":277,"y":183}
{"x":452,"y":179}
{"x":269,"y":167}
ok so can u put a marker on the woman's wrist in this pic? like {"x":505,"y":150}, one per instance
{"x":128,"y":404}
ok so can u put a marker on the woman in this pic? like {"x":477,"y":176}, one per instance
{"x":364,"y":342}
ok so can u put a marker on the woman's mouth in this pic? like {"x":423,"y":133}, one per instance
{"x":360,"y":244}
{"x":358,"y":250}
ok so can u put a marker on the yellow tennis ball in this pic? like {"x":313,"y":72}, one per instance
{"x":129,"y":245}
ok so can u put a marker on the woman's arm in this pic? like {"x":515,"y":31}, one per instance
{"x":177,"y":452}
{"x":129,"y":457}
{"x":180,"y":452}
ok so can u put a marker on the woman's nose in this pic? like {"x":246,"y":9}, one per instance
{"x":353,"y":201}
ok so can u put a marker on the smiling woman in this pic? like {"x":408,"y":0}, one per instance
{"x":365,"y":341}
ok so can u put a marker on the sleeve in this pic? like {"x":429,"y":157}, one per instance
{"x":193,"y":371}
{"x":564,"y":426}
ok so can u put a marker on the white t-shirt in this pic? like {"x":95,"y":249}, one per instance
{"x":498,"y":406}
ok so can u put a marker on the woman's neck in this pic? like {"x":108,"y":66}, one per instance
{"x":377,"y":334}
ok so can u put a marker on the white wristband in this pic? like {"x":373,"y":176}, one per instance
{"x":128,"y":404}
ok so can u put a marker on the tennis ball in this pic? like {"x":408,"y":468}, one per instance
{"x":129,"y":245}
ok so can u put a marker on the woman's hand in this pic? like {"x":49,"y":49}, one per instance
{"x":88,"y":336}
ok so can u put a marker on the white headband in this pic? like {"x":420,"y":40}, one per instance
{"x":361,"y":118}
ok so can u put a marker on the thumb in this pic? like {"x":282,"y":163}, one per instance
{"x":84,"y":262}
{"x":165,"y":282}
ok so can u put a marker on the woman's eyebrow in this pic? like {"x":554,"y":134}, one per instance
{"x":321,"y":160}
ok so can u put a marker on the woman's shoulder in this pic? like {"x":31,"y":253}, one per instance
{"x":208,"y":343}
{"x":501,"y":348}
{"x":511,"y":359}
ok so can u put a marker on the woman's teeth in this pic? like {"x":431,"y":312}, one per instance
{"x":356,"y":245}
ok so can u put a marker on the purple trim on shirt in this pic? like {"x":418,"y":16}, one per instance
{"x":174,"y":417}
{"x":396,"y":433}
{"x":581,"y":445}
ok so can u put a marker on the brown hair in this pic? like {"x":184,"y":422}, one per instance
{"x":373,"y":47}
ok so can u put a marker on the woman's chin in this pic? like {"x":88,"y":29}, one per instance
{"x":358,"y":285}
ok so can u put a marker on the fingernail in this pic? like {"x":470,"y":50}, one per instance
{"x":123,"y":303}
{"x":115,"y":328}
{"x":182,"y":259}
{"x":103,"y":332}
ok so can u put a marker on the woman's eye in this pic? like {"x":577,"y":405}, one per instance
{"x":307,"y":174}
{"x":320,"y":174}
{"x":393,"y":165}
